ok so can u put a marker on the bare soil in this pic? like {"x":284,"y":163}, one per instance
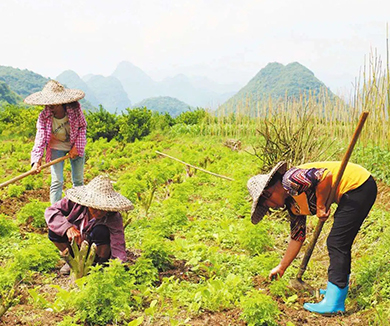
{"x":24,"y":313}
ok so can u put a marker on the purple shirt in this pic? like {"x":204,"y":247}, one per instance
{"x":64,"y":214}
{"x":78,"y":131}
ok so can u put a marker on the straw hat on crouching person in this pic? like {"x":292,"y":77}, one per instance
{"x":99,"y":194}
{"x":90,"y":213}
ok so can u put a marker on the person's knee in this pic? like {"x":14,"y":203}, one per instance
{"x":57,"y":184}
{"x":100,"y":235}
{"x":331,"y":244}
{"x":103,"y":253}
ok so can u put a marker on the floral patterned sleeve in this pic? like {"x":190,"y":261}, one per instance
{"x":296,"y":180}
{"x":298,"y":227}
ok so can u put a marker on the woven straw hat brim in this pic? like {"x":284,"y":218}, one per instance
{"x":256,"y":186}
{"x":112,"y":202}
{"x":51,"y":98}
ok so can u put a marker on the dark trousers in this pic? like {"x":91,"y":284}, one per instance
{"x":353,"y":208}
{"x":99,"y":234}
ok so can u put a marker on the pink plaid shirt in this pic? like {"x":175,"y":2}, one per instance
{"x":78,"y":131}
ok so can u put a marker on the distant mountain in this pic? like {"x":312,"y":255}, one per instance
{"x":71,"y":80}
{"x":164,"y":104}
{"x":22,"y":82}
{"x":196,"y":91}
{"x":25,"y":82}
{"x":137,"y":84}
{"x":109,"y":92}
{"x":277,"y":81}
{"x":7,"y":95}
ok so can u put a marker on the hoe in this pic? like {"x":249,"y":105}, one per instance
{"x":26,"y":174}
{"x":298,"y":283}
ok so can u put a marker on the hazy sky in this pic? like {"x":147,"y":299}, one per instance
{"x":228,"y":41}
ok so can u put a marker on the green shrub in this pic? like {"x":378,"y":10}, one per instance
{"x":7,"y":226}
{"x":38,"y":254}
{"x":258,"y":309}
{"x":31,"y":183}
{"x":371,"y":272}
{"x":33,"y":213}
{"x":174,"y":218}
{"x":157,"y":250}
{"x":280,"y":288}
{"x":15,"y":190}
{"x":192,"y":117}
{"x":255,"y":238}
{"x":219,"y":294}
{"x":375,"y":160}
{"x":135,"y":124}
{"x":161,"y":121}
{"x":144,"y":272}
{"x":373,"y":277}
{"x":105,"y":295}
{"x":102,"y":124}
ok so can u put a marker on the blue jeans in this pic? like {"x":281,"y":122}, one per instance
{"x":57,"y":174}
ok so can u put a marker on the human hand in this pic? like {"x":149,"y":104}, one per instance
{"x":275,"y":273}
{"x":36,"y":168}
{"x":73,"y":153}
{"x":73,"y":233}
{"x":322,"y":214}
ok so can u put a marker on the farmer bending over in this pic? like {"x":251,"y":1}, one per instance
{"x":303,"y":191}
{"x":61,"y":129}
{"x":90,"y":213}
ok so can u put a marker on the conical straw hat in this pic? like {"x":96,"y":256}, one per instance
{"x":256,"y":186}
{"x":54,"y":93}
{"x":99,"y":194}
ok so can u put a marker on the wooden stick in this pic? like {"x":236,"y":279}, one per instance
{"x":332,"y":194}
{"x":195,"y":167}
{"x":26,"y":174}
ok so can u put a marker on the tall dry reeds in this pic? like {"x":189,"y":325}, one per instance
{"x":334,"y":117}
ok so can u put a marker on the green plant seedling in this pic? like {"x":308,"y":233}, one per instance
{"x":83,"y":258}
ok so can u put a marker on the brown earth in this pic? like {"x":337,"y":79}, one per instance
{"x":11,"y":205}
{"x":24,"y":313}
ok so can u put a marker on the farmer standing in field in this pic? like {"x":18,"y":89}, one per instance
{"x":61,"y":129}
{"x":90,"y":213}
{"x":303,"y":191}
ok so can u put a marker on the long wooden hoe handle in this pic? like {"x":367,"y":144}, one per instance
{"x":31,"y":172}
{"x":320,"y":224}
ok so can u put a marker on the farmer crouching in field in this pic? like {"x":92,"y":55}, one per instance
{"x":61,"y":129}
{"x":303,"y":191}
{"x":90,"y":213}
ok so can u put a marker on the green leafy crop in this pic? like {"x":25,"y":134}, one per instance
{"x":258,"y":309}
{"x":33,"y":213}
{"x":105,"y":295}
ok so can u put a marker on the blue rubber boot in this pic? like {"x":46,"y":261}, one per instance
{"x":323,"y":291}
{"x":333,"y":302}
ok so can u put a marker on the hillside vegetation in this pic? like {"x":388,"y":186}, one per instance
{"x":8,"y":96}
{"x":164,"y":104}
{"x":276,"y":81}
{"x":22,"y":82}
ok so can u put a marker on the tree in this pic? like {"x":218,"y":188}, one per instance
{"x":134,"y":124}
{"x":191,"y":117}
{"x":102,"y":124}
